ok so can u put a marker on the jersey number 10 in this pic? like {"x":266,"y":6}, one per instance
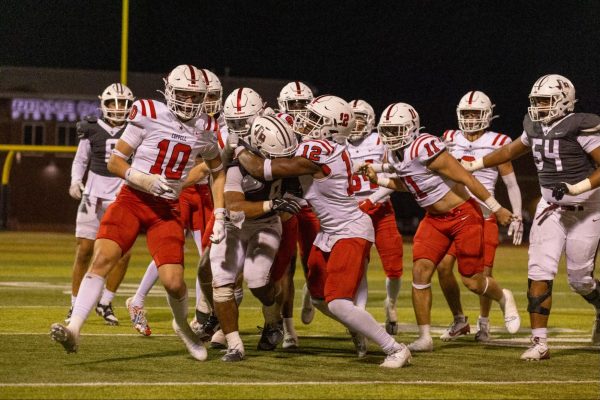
{"x":180,"y":154}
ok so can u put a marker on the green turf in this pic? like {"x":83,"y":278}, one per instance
{"x":115,"y":362}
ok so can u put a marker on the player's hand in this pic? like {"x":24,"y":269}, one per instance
{"x":368,"y":207}
{"x":559,"y":190}
{"x":268,"y":111}
{"x":503,"y":216}
{"x":218,"y":233}
{"x":472,"y":165}
{"x":515,"y":229}
{"x":233,"y":140}
{"x":368,"y":171}
{"x":76,"y":190}
{"x":154,"y":184}
{"x":287,"y":205}
{"x":175,"y":187}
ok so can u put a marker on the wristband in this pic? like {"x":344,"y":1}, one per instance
{"x":268,"y":174}
{"x":383,"y":181}
{"x":214,"y":170}
{"x":219,"y":213}
{"x":119,"y":154}
{"x":478,"y":164}
{"x":492,"y":204}
{"x":580,"y":187}
{"x":267,"y":206}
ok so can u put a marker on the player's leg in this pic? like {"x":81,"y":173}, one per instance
{"x":135,"y":304}
{"x":104,"y":307}
{"x":345,"y":268}
{"x":490,"y":244}
{"x":451,"y":290}
{"x":583,"y":236}
{"x":308,"y":227}
{"x":388,"y":242}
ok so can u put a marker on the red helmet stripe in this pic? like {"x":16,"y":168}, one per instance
{"x":192,"y":74}
{"x":239,"y":99}
{"x":471,"y":97}
{"x":387,"y":115}
{"x":205,"y":76}
{"x":298,"y":88}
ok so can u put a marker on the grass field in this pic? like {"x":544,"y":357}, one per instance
{"x":115,"y":362}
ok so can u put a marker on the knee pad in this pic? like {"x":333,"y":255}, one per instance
{"x":420,"y":286}
{"x":535,"y":302}
{"x":223,"y":294}
{"x":584,"y":285}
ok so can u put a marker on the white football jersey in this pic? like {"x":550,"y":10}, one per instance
{"x":368,"y":150}
{"x":331,"y":197}
{"x":410,"y":164}
{"x":165,"y":145}
{"x":463,"y":149}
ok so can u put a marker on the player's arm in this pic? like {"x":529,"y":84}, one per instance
{"x":278,"y":168}
{"x":236,"y":201}
{"x":117,"y":164}
{"x":199,"y":172}
{"x":589,"y":183}
{"x":80,"y":164}
{"x":448,"y":166}
{"x":499,"y":156}
{"x":217,"y":172}
{"x":514,"y":196}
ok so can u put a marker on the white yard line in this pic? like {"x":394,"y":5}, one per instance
{"x":299,"y":383}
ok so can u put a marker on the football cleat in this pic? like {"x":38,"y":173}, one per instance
{"x":456,"y":330}
{"x":289,"y":341}
{"x":138,"y":318}
{"x":218,"y":340}
{"x":512,"y":321}
{"x":537,"y":351}
{"x":360,"y":344}
{"x":68,"y":317}
{"x":308,"y":310}
{"x":483,"y":332}
{"x":193,"y":344}
{"x":421,"y":345}
{"x":398,"y":358}
{"x":61,"y":334}
{"x":391,"y":317}
{"x":596,"y":330}
{"x":206,"y":329}
{"x":271,"y":336}
{"x":233,"y":355}
{"x":106,"y":312}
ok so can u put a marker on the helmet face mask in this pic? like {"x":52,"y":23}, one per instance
{"x":272,"y":137}
{"x":213,"y":101}
{"x":474,"y":112}
{"x":398,"y":126}
{"x":185,"y":91}
{"x":115,"y":102}
{"x":294,"y":98}
{"x":308,"y":125}
{"x":365,"y":120}
{"x":241,"y":108}
{"x":551,"y":97}
{"x":327,"y":117}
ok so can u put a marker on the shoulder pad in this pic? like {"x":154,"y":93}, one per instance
{"x":317,"y":151}
{"x":85,"y":128}
{"x":426,"y":147}
{"x":589,"y":122}
{"x":92,"y":119}
{"x":500,"y":140}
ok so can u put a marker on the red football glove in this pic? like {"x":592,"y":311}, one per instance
{"x":368,"y":207}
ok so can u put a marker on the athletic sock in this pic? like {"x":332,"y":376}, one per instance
{"x":234,"y":341}
{"x":148,"y":281}
{"x":362,"y":293}
{"x":541,"y":333}
{"x":392,"y":288}
{"x":288,"y":326}
{"x":179,"y":308}
{"x":107,"y":297}
{"x":89,"y":292}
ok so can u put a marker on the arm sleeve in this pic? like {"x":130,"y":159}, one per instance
{"x":233,"y":182}
{"x":525,"y":139}
{"x":514,"y":193}
{"x":589,"y":142}
{"x":81,"y":160}
{"x":380,"y":193}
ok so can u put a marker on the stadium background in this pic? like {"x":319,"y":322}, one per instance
{"x":423,"y":52}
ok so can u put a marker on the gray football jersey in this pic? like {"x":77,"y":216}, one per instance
{"x":558,"y":155}
{"x":101,"y":144}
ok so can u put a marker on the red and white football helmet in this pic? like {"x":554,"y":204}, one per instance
{"x":121,"y":97}
{"x":241,"y":108}
{"x":365,"y":119}
{"x":474,"y":112}
{"x":327,"y":117}
{"x":294,"y":97}
{"x":551,"y":97}
{"x":213,"y":101}
{"x":184,"y":91}
{"x":272,"y":137}
{"x":398,"y":126}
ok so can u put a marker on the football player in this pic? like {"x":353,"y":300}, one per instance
{"x":166,"y":140}
{"x":566,"y":152}
{"x":437,"y":181}
{"x":474,"y":140}
{"x":97,"y":138}
{"x":253,"y":237}
{"x":365,"y":146}
{"x":337,"y":259}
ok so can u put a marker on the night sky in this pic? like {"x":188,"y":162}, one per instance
{"x":426,"y":53}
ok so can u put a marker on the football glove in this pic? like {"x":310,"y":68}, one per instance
{"x":287,"y":205}
{"x":218,"y":232}
{"x":559,"y":190}
{"x":76,"y":189}
{"x":154,"y":184}
{"x":515,"y":229}
{"x":368,"y":207}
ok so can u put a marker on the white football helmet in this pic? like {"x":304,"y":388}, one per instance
{"x":241,"y":108}
{"x":213,"y":101}
{"x":398,"y":126}
{"x":184,"y":91}
{"x":294,"y":97}
{"x":551,"y":97}
{"x":272,"y":137}
{"x":365,"y":119}
{"x":121,"y":97}
{"x":474,"y":112}
{"x":327,"y":117}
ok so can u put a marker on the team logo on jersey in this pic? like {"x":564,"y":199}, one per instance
{"x":133,"y":112}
